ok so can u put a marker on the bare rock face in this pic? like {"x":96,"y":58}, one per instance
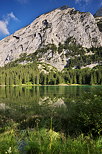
{"x":51,"y":28}
{"x":99,"y":23}
{"x":98,"y":18}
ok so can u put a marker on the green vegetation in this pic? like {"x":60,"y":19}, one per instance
{"x":46,"y":141}
{"x":78,"y":55}
{"x":83,"y":76}
{"x":34,"y":56}
{"x":32,"y":122}
{"x":25,"y":105}
{"x":84,"y":60}
{"x":52,"y":119}
{"x":29,"y":74}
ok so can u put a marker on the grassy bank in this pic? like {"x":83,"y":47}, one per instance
{"x":41,"y":141}
{"x":27,"y":85}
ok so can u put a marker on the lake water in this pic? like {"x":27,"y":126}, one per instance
{"x":70,"y":109}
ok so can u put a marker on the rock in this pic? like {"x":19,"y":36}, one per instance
{"x":3,"y":106}
{"x":99,"y":23}
{"x":98,"y":18}
{"x":53,"y":27}
{"x":98,"y":13}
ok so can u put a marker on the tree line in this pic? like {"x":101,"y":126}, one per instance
{"x":29,"y":74}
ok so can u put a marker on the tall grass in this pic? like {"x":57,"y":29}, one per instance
{"x":44,"y":141}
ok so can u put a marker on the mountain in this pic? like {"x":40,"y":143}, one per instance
{"x":98,"y":18}
{"x":57,"y":38}
{"x":98,"y":13}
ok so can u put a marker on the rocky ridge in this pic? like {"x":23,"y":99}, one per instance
{"x":99,"y":23}
{"x":98,"y":18}
{"x":52,"y":28}
{"x":98,"y":13}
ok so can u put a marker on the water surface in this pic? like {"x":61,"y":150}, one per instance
{"x":71,"y":107}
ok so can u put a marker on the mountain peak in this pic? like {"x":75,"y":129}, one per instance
{"x":51,"y":30}
{"x":98,"y":13}
{"x":64,"y":7}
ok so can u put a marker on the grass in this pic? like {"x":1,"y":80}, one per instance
{"x":41,"y":141}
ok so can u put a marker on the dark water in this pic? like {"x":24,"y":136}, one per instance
{"x":35,"y":94}
{"x":72,"y":108}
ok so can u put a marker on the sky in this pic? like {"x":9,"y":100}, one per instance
{"x":15,"y":14}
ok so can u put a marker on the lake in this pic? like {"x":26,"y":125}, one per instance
{"x":69,"y":109}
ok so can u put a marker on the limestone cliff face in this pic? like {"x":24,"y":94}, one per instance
{"x":99,"y":22}
{"x":53,"y":27}
{"x":98,"y":18}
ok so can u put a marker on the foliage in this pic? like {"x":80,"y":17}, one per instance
{"x":47,"y":141}
{"x":79,"y":113}
{"x":8,"y":142}
{"x":32,"y":122}
{"x":29,"y":74}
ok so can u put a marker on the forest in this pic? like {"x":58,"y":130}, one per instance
{"x":14,"y":73}
{"x":30,"y":120}
{"x":29,"y":74}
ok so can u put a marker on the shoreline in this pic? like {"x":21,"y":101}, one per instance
{"x":25,"y":85}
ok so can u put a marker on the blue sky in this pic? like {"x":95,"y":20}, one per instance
{"x":15,"y":14}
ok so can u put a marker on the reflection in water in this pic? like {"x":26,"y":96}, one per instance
{"x":2,"y":106}
{"x":37,"y":93}
{"x":43,"y":95}
{"x":72,"y":107}
{"x":55,"y":102}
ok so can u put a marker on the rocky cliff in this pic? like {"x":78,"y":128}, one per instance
{"x":99,"y":22}
{"x":54,"y":27}
{"x":98,"y":18}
